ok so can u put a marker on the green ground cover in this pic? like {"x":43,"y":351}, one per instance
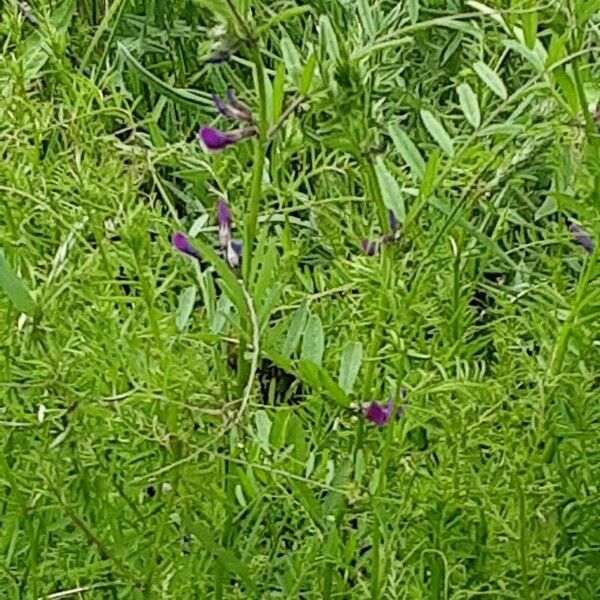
{"x":176,"y":428}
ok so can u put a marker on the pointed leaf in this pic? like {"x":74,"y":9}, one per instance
{"x":350,"y":365}
{"x":491,"y":79}
{"x":390,"y":190}
{"x":469,"y":104}
{"x":437,"y":132}
{"x":185,"y":306}
{"x":14,"y":288}
{"x":313,"y":343}
{"x":413,"y":10}
{"x":295,"y":330}
{"x":407,"y":149}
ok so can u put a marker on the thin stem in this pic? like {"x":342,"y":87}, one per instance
{"x":284,"y":116}
{"x":257,"y":174}
{"x":240,"y":21}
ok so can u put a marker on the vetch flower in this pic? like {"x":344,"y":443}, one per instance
{"x":582,"y":238}
{"x":181,"y":243}
{"x":233,"y":108}
{"x":371,"y":248}
{"x":213,"y":139}
{"x":232,"y":249}
{"x":224,"y":222}
{"x":379,"y":413}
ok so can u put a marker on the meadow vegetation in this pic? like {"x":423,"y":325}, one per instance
{"x":196,"y":424}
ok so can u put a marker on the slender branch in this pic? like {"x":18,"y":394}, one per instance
{"x":236,"y":15}
{"x":284,"y":116}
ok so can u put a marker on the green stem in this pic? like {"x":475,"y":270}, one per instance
{"x":257,"y":173}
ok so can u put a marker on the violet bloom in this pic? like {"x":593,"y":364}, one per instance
{"x":582,"y":238}
{"x":213,"y":139}
{"x":180,"y":242}
{"x":379,"y":413}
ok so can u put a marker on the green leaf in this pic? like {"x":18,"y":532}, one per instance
{"x":329,"y":38}
{"x":295,"y":330}
{"x":308,"y":73}
{"x":437,"y":132}
{"x":548,"y":207}
{"x":320,"y":380}
{"x":179,"y":95}
{"x":413,"y":10}
{"x":390,"y":190}
{"x":231,"y":286}
{"x":263,"y":429}
{"x":567,"y":88}
{"x":350,"y":365}
{"x":469,"y":104}
{"x":530,"y":24}
{"x":313,"y":341}
{"x":185,"y":306}
{"x":278,"y":91}
{"x":14,"y":288}
{"x":491,"y":79}
{"x":428,"y":183}
{"x":408,"y":151}
{"x":225,"y":557}
{"x":284,"y":15}
{"x":291,"y":58}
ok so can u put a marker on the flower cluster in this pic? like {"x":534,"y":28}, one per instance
{"x":231,"y":249}
{"x":213,"y":139}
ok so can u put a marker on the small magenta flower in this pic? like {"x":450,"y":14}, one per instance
{"x":181,"y":243}
{"x":213,"y":139}
{"x":582,"y":238}
{"x":379,"y":413}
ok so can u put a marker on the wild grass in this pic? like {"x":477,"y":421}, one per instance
{"x":173,"y":429}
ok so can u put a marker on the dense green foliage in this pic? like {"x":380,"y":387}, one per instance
{"x":170,"y":430}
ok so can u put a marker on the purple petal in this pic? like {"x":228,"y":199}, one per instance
{"x":213,"y":139}
{"x":223,"y":213}
{"x":582,"y":237}
{"x":379,"y":413}
{"x":231,"y":97}
{"x":181,"y":243}
{"x":369,"y":248}
{"x":218,"y":57}
{"x":221,"y":106}
{"x":236,"y":245}
{"x":392,"y":220}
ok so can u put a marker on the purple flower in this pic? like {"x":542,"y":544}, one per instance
{"x":379,"y":413}
{"x":231,"y":248}
{"x":181,"y":243}
{"x":392,"y":220}
{"x":213,"y":140}
{"x":582,"y":238}
{"x":369,"y":248}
